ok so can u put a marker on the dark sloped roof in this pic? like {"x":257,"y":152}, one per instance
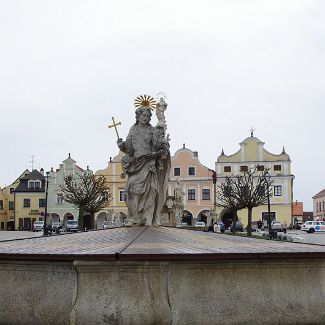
{"x":34,"y":175}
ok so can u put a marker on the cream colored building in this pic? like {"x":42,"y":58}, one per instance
{"x":198,"y":185}
{"x":319,"y":205}
{"x":250,"y":154}
{"x":116,"y":212}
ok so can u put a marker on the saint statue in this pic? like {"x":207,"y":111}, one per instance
{"x":178,"y":202}
{"x":147,"y":165}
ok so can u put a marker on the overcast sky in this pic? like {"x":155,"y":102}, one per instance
{"x":67,"y":67}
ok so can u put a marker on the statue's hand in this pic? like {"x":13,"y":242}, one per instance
{"x":120,"y":142}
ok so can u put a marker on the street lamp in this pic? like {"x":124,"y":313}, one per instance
{"x":268,"y":178}
{"x":45,"y":229}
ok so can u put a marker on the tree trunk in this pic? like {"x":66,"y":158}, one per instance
{"x":234,"y":222}
{"x":80,"y":218}
{"x":249,"y":225}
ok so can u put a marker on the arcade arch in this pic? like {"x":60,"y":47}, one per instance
{"x":187,"y":217}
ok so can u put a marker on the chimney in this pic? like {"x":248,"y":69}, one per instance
{"x":41,"y":171}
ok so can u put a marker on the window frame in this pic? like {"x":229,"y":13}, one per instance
{"x":203,"y":194}
{"x":190,"y":168}
{"x":277,"y":189}
{"x":43,"y":203}
{"x":191,"y":194}
{"x":179,"y":170}
{"x":26,"y":203}
{"x":120,"y":195}
{"x":243,"y":168}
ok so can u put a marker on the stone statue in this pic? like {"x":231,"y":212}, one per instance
{"x":147,"y":165}
{"x":178,"y":202}
{"x":160,"y":113}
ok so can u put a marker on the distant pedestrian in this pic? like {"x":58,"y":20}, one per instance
{"x":259,"y":224}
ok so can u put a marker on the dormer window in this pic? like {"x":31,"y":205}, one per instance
{"x":34,"y":184}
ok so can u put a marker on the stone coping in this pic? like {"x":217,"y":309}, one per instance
{"x":152,"y":243}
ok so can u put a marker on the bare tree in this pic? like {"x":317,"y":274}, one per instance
{"x":247,"y":190}
{"x":228,"y":199}
{"x":87,"y":193}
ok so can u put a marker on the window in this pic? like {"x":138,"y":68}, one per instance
{"x":277,"y":168}
{"x":227,"y":169}
{"x":105,"y":196}
{"x":244,"y":169}
{"x":11,"y":205}
{"x":323,"y":206}
{"x":206,"y":194}
{"x":26,"y":203}
{"x":11,"y":189}
{"x":277,"y":190}
{"x":1,"y":204}
{"x":191,"y":171}
{"x":191,"y":194}
{"x":177,"y":171}
{"x":34,"y":184}
{"x":60,"y":198}
{"x":41,"y":203}
{"x":122,"y":198}
{"x":260,"y":168}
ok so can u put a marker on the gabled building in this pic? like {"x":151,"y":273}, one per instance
{"x":7,"y":204}
{"x":319,"y":205}
{"x":117,"y":211}
{"x":250,"y":154}
{"x":29,"y":200}
{"x":198,"y":184}
{"x":57,"y":208}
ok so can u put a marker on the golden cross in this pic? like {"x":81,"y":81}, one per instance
{"x":114,"y":125}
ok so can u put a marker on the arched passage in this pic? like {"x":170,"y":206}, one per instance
{"x":54,"y":218}
{"x":187,"y":217}
{"x":202,"y":216}
{"x":67,"y":216}
{"x":227,"y":217}
{"x":119,"y":219}
{"x":101,"y":217}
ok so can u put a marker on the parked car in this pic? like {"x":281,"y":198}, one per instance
{"x":219,"y":227}
{"x":239,"y":226}
{"x":276,"y":226}
{"x":313,"y":226}
{"x":72,"y":225}
{"x":38,"y":226}
{"x":199,"y":224}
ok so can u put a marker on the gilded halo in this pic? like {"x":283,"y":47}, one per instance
{"x":145,"y":100}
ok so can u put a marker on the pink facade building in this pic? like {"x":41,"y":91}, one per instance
{"x":198,"y":184}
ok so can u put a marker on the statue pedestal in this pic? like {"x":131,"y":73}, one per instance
{"x":158,"y":275}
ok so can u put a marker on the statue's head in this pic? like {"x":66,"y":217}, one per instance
{"x":144,"y":113}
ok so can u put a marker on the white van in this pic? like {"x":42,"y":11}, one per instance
{"x":313,"y":226}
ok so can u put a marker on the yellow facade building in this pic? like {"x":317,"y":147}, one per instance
{"x":250,"y":154}
{"x":7,"y":204}
{"x":116,"y":212}
{"x":29,"y":200}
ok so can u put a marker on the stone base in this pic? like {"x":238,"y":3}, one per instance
{"x":246,"y":291}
